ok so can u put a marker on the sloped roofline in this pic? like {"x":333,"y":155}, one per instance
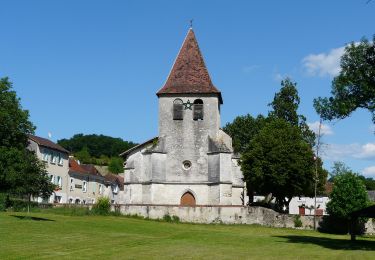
{"x":124,"y":154}
{"x":47,"y":143}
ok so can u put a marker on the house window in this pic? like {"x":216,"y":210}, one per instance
{"x":100,"y":188}
{"x":198,"y":110}
{"x":61,"y":160}
{"x":57,"y":199}
{"x":53,"y":158}
{"x":178,"y":109}
{"x":45,"y":155}
{"x":115,"y":189}
{"x":52,"y":178}
{"x":59,"y":181}
{"x":71,"y":184}
{"x":84,"y":187}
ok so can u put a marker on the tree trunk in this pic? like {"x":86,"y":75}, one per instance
{"x":28,"y":204}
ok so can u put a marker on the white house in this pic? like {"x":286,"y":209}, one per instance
{"x":56,"y":159}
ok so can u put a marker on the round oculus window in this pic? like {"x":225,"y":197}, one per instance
{"x":186,"y":165}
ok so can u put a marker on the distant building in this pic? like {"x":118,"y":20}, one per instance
{"x":86,"y":184}
{"x":191,"y":162}
{"x":76,"y":183}
{"x":57,"y":165}
{"x":114,"y":188}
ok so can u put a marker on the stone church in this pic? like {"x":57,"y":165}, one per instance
{"x":191,"y":162}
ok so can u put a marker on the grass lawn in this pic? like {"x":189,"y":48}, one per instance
{"x":48,"y":236}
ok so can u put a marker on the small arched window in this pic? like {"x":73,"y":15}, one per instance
{"x":198,"y":109}
{"x":178,"y":109}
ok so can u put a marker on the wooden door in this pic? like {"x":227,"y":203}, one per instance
{"x":187,"y":199}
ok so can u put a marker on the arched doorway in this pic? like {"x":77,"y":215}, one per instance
{"x":187,"y":199}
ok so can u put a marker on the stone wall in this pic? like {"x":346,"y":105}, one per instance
{"x":218,"y":214}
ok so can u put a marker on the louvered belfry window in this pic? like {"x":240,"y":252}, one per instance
{"x":178,"y":109}
{"x":198,"y":109}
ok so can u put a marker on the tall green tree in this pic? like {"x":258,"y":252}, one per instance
{"x":285,"y":106}
{"x":21,"y":172}
{"x":354,"y":87}
{"x":15,"y":124}
{"x":280,"y":162}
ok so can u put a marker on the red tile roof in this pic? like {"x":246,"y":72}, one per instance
{"x":90,"y":168}
{"x":47,"y":143}
{"x":75,"y":167}
{"x":189,"y":74}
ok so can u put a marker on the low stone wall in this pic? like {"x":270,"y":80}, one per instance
{"x":218,"y":214}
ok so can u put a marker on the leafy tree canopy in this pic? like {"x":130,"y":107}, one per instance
{"x":116,"y":165}
{"x":21,"y":172}
{"x":354,"y":87}
{"x":15,"y":124}
{"x":280,"y":162}
{"x":349,"y":194}
{"x":89,"y":148}
{"x":285,"y":106}
{"x":243,"y":129}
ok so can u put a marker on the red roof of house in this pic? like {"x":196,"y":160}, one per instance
{"x":189,"y":74}
{"x":47,"y":143}
{"x":75,"y":167}
{"x":90,"y":168}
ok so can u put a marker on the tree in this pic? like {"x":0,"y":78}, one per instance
{"x":369,"y":182}
{"x":21,"y":172}
{"x":348,"y":195}
{"x":96,"y":145}
{"x":15,"y":124}
{"x":280,"y":162}
{"x":116,"y":165}
{"x":285,"y":105}
{"x":84,"y":155}
{"x":34,"y":180}
{"x":13,"y":134}
{"x":354,"y":87}
{"x":243,"y":129}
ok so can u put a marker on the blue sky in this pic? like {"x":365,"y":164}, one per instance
{"x":95,"y":66}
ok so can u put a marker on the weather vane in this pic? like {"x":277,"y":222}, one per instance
{"x":191,"y":23}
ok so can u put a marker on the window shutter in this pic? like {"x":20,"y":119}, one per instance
{"x":198,"y":112}
{"x":178,"y":111}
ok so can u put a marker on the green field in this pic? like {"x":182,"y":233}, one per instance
{"x":51,"y":236}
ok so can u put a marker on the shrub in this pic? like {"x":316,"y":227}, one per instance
{"x":102,"y":206}
{"x":348,"y":195}
{"x":168,"y":218}
{"x":4,"y":201}
{"x":21,"y":205}
{"x":297,"y":221}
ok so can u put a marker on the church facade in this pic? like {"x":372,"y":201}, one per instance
{"x":191,"y":162}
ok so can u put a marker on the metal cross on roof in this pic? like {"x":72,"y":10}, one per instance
{"x":191,"y":23}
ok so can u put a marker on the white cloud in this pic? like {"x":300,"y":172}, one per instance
{"x":369,"y":171}
{"x":339,"y":152}
{"x":367,"y":151}
{"x":324,"y":64}
{"x":325,"y":129}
